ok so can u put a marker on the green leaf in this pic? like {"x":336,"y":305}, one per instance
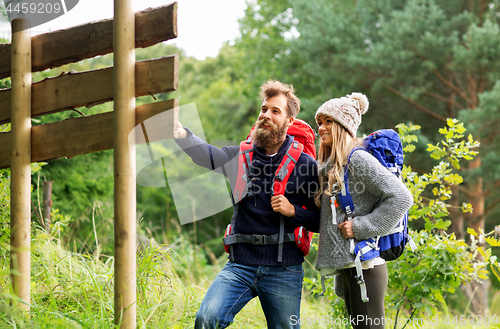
{"x":443,"y":225}
{"x":409,"y":148}
{"x":467,"y":208}
{"x":492,"y":241}
{"x":454,"y":179}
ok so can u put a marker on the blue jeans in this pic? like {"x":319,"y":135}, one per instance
{"x":279,"y":289}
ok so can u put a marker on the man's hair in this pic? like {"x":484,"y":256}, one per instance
{"x":274,"y":88}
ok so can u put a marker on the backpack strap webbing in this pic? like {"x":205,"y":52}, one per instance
{"x":244,"y":163}
{"x":281,"y":238}
{"x":285,"y":168}
{"x":258,"y":239}
{"x":243,"y":181}
{"x":283,"y":173}
{"x":235,"y":210}
{"x":359,"y":277}
{"x":345,"y":195}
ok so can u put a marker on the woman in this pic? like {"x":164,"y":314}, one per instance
{"x":380,"y":201}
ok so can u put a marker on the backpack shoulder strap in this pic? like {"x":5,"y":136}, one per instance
{"x":283,"y":172}
{"x":286,"y":167}
{"x":345,"y":196}
{"x":245,"y":157}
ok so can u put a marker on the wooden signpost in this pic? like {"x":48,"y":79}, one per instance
{"x":122,"y":83}
{"x":20,"y":162}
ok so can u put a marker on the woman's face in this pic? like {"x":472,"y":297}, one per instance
{"x":325,"y":126}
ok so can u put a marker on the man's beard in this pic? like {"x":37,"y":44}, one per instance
{"x":268,"y":138}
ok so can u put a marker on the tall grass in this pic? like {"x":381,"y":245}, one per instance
{"x":74,"y":290}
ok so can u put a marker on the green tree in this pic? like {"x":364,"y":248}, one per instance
{"x":418,"y":60}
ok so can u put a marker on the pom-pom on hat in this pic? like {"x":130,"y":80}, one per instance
{"x":346,"y":110}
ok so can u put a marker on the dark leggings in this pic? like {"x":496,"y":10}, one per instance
{"x":369,"y":315}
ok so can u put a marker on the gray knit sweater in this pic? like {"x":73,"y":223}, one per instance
{"x":380,"y":200}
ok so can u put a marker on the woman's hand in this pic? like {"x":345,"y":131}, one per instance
{"x":346,"y":228}
{"x":281,"y":204}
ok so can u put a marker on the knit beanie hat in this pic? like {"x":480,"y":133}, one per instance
{"x":346,"y":110}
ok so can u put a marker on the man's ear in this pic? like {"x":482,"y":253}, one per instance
{"x":290,"y":122}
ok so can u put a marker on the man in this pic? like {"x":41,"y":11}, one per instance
{"x":254,"y":269}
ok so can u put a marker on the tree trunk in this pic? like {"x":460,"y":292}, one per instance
{"x":477,"y":292}
{"x":456,"y":214}
{"x":477,"y":296}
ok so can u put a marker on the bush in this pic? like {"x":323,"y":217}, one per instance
{"x":419,"y":281}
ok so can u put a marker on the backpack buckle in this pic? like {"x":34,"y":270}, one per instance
{"x":249,"y":189}
{"x":282,"y":174}
{"x":259,"y":240}
{"x":359,"y":279}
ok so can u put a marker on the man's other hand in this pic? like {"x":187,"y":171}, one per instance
{"x":281,"y":204}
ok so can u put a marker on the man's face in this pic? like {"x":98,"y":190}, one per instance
{"x":273,"y":122}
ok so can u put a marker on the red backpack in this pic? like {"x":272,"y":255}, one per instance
{"x":304,"y":137}
{"x":302,"y":133}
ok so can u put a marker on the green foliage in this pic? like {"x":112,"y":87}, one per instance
{"x":265,"y":41}
{"x":59,"y":223}
{"x":4,"y":204}
{"x":3,"y":14}
{"x":450,"y":151}
{"x":74,"y":290}
{"x":441,"y":57}
{"x":420,"y":281}
{"x":416,"y":60}
{"x":71,"y":290}
{"x":80,"y":181}
{"x":337,"y":309}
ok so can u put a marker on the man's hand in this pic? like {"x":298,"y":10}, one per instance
{"x":282,"y":205}
{"x":179,"y":131}
{"x":346,"y":228}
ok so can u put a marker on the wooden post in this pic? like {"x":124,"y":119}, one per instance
{"x":47,"y":204}
{"x":124,"y":164}
{"x":20,"y":164}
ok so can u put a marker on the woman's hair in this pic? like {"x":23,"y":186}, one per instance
{"x":334,"y":157}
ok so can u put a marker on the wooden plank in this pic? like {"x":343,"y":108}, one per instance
{"x":72,"y":89}
{"x":89,"y":40}
{"x":84,"y":135}
{"x":72,"y":137}
{"x":5,"y":140}
{"x":144,"y":112}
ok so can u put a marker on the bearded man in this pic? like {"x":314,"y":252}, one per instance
{"x":254,"y":268}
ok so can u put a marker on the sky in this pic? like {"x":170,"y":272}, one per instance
{"x":203,"y":25}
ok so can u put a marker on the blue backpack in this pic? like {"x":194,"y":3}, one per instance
{"x":386,"y":146}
